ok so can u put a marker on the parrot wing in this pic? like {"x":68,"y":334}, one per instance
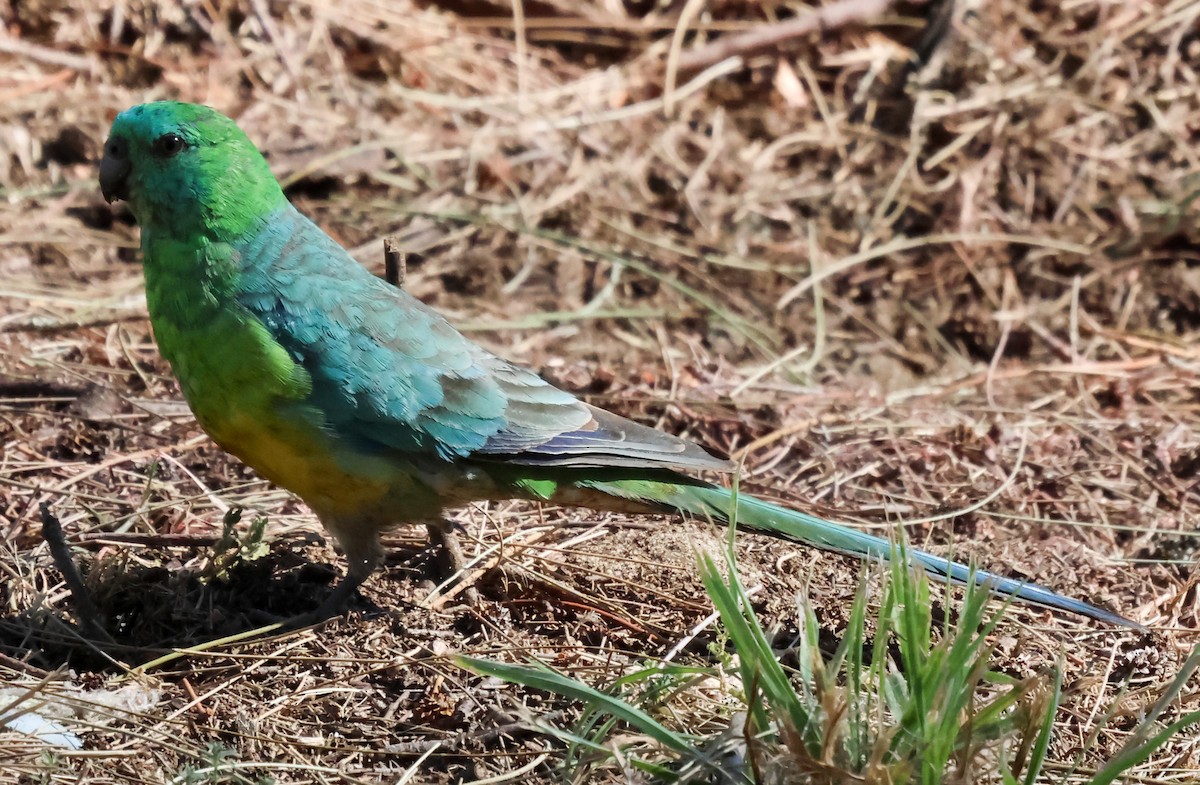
{"x":389,"y":372}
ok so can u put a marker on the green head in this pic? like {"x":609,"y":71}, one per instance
{"x":187,"y":171}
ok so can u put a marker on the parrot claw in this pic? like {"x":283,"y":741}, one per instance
{"x":454,"y":568}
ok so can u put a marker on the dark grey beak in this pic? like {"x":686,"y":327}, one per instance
{"x":114,"y":170}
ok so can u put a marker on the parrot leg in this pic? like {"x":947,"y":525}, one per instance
{"x":443,"y":535}
{"x":335,"y":603}
{"x":360,"y":543}
{"x":363,"y":552}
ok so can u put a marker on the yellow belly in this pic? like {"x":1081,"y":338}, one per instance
{"x":249,"y":396}
{"x":299,"y":458}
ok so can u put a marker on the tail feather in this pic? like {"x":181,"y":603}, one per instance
{"x":714,"y":502}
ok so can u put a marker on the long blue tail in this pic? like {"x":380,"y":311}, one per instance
{"x":713,"y":502}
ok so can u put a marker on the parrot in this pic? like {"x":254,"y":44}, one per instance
{"x":369,"y":405}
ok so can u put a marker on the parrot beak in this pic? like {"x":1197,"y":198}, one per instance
{"x":114,"y":170}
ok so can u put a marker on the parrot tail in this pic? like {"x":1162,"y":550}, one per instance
{"x":703,"y":500}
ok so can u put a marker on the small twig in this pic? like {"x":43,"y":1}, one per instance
{"x":463,"y":740}
{"x":1006,"y":324}
{"x":46,"y":54}
{"x":694,"y":633}
{"x":40,"y":86}
{"x":97,"y":540}
{"x":522,"y":54}
{"x":770,"y":36}
{"x":395,"y":262}
{"x":272,"y":31}
{"x":200,"y":648}
{"x":89,"y":617}
{"x":22,"y":667}
{"x":690,"y":11}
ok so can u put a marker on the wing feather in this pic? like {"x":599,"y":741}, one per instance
{"x":389,"y":372}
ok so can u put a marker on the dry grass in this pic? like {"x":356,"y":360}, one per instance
{"x":877,"y":277}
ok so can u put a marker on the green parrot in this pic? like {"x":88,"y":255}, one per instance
{"x":366,"y":403}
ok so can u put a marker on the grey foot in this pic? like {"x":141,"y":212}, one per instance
{"x":452,"y":563}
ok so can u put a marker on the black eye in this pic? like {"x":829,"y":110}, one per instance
{"x":168,"y":145}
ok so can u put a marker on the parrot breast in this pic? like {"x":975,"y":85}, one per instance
{"x":249,"y":394}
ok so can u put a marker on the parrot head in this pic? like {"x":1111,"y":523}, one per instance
{"x":185,"y":168}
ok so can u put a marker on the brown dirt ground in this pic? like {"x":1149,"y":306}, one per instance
{"x":907,"y":285}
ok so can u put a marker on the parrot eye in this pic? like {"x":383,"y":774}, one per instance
{"x":168,"y":145}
